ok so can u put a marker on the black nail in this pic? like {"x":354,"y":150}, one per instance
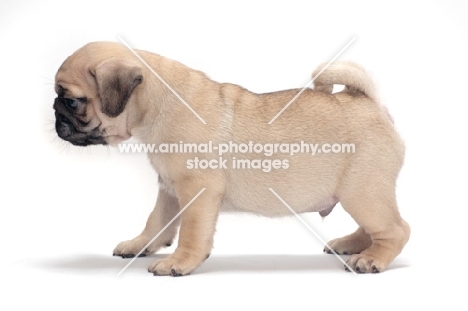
{"x":174,"y":273}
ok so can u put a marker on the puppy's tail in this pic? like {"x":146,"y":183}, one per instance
{"x":354,"y":77}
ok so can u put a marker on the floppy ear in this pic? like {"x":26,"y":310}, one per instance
{"x":116,"y":81}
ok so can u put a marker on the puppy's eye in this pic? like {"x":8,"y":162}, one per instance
{"x":72,"y":103}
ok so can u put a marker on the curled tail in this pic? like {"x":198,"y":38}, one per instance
{"x":347,"y":73}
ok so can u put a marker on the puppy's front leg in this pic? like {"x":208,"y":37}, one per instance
{"x":166,"y":208}
{"x":196,"y":231}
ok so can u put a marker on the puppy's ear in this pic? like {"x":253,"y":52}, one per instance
{"x":116,"y":81}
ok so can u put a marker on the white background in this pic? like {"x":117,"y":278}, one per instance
{"x":63,"y":208}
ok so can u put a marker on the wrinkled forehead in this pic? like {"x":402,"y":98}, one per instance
{"x":73,"y":79}
{"x":67,"y":89}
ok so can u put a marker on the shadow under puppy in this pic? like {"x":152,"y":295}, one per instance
{"x":106,"y":95}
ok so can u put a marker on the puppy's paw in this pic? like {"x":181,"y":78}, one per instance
{"x":175,"y":265}
{"x":345,"y":246}
{"x":129,"y":249}
{"x":362,"y":263}
{"x":351,"y":244}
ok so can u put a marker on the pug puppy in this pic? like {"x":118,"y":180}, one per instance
{"x":106,"y":95}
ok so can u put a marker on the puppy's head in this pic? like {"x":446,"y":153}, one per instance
{"x":96,"y":90}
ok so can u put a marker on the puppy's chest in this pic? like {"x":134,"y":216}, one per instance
{"x":165,"y":178}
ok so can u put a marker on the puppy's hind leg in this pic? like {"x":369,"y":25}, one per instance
{"x":373,"y":206}
{"x":165,"y":210}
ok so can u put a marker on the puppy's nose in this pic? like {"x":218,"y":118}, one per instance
{"x":63,"y":126}
{"x":65,"y":129}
